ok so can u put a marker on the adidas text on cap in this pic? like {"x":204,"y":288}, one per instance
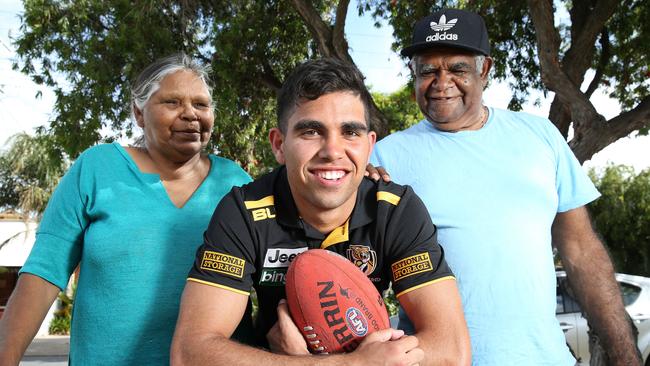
{"x":450,"y":28}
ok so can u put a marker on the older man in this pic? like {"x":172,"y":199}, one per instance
{"x":502,"y":187}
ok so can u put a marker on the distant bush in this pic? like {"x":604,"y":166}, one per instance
{"x":60,"y":324}
{"x":622,"y":216}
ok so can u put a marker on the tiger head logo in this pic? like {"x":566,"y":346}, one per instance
{"x":363,"y":257}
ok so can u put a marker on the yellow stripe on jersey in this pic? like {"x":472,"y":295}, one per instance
{"x":264,"y":202}
{"x":388,"y":197}
{"x":338,"y":235}
{"x":425,"y":284}
{"x":220,"y":286}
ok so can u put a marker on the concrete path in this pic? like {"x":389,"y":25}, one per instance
{"x":47,"y":351}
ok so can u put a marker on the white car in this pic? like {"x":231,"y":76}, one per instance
{"x":636,"y":297}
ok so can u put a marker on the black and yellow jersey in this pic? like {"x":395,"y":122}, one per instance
{"x":256,"y":231}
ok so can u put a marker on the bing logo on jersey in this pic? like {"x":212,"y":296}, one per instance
{"x":363,"y":257}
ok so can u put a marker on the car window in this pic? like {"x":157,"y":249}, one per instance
{"x":630,"y":293}
{"x":565,"y":303}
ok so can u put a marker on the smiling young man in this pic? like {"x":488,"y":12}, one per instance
{"x":318,"y":198}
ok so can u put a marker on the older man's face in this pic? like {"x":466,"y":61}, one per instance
{"x":449,"y":88}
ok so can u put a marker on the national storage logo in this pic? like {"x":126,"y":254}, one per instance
{"x":223,"y":263}
{"x":410,"y":266}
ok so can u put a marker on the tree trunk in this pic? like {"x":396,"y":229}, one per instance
{"x":592,"y":132}
{"x":331,"y":42}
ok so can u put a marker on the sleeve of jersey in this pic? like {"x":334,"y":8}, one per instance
{"x":573,"y":185}
{"x":417,"y":260}
{"x":226,"y":258}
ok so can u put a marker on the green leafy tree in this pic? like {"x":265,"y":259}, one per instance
{"x":621,"y":216}
{"x":608,"y":39}
{"x":89,"y":50}
{"x":29,"y":172}
{"x":399,"y":108}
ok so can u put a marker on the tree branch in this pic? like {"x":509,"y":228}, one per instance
{"x":583,"y":113}
{"x":578,"y":58}
{"x":559,"y":114}
{"x":268,"y":77}
{"x":339,"y":42}
{"x":319,"y":30}
{"x":604,"y":61}
{"x":596,"y":139}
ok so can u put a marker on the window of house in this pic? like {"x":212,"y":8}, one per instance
{"x":8,"y":279}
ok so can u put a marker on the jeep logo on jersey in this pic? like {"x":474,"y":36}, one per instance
{"x":281,"y":257}
{"x":443,"y":24}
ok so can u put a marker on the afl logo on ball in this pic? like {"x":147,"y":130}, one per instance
{"x":356,"y":322}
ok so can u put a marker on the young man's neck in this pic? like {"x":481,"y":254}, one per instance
{"x":326,"y":220}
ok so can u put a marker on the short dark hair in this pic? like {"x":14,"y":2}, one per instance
{"x":315,"y":78}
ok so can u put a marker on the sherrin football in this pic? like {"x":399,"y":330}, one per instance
{"x":332,"y":302}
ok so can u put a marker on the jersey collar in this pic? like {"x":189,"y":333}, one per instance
{"x":287,"y":213}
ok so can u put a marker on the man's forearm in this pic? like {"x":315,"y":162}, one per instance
{"x":386,"y":347}
{"x":444,"y":349}
{"x":218,"y":350}
{"x":592,"y":280}
{"x":591,"y":275}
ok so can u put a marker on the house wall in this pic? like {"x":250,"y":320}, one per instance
{"x":16,"y":241}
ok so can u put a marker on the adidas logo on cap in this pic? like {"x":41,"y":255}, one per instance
{"x":453,"y":28}
{"x":442,"y":24}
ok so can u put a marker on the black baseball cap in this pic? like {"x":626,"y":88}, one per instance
{"x":450,"y":28}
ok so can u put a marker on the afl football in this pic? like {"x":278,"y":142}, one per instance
{"x":332,"y":302}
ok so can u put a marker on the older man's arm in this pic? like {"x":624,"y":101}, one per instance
{"x":437,"y":314}
{"x":591,"y":275}
{"x":209,"y":315}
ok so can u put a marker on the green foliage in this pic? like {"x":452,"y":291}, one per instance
{"x":511,"y":32}
{"x":9,"y":197}
{"x":621,"y":216}
{"x":512,"y":36}
{"x":392,"y":305}
{"x":60,"y":323}
{"x":628,"y":70}
{"x":29,"y":171}
{"x":89,"y":51}
{"x":399,"y":108}
{"x":59,"y":326}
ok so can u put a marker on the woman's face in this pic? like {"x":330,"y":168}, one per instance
{"x":178,"y":118}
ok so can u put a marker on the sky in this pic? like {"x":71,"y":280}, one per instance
{"x":370,"y":47}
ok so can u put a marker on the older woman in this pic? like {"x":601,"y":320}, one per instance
{"x":132,"y":219}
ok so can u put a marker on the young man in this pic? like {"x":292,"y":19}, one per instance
{"x":318,"y":198}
